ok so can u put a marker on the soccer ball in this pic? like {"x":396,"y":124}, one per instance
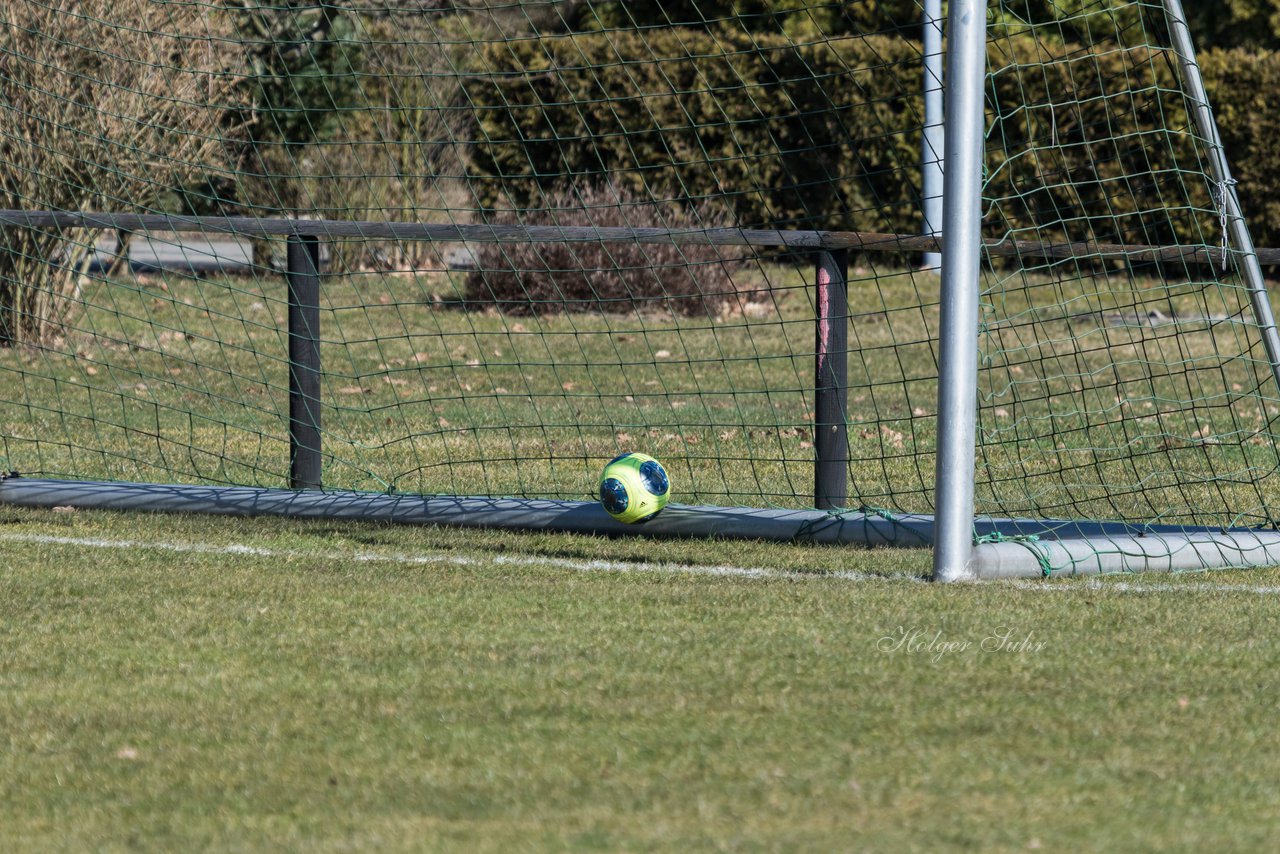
{"x":634,"y":488}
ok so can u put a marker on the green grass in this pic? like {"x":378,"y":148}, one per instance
{"x":173,"y":683}
{"x":308,"y":698}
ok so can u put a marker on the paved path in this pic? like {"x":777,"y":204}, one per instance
{"x":189,"y":252}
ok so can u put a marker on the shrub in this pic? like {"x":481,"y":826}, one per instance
{"x":550,"y":278}
{"x":99,"y":114}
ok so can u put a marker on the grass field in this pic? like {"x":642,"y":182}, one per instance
{"x":175,"y":682}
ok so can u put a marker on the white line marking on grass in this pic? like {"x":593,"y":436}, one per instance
{"x":723,"y":571}
{"x":614,"y":566}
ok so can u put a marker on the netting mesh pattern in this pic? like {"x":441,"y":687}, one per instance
{"x":1113,"y":389}
{"x":1110,"y":389}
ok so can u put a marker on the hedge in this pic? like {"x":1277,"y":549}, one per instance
{"x":833,"y":128}
{"x":1241,"y":87}
{"x":1091,"y":145}
{"x":669,"y":113}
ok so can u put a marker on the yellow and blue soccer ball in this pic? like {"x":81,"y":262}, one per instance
{"x":634,"y":488}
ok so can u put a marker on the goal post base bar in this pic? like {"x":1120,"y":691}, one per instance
{"x":532,"y":514}
{"x":1111,"y":554}
{"x":1024,"y":548}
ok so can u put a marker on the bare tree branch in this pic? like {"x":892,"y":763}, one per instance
{"x":99,"y":113}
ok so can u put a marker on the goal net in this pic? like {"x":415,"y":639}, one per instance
{"x":440,"y":261}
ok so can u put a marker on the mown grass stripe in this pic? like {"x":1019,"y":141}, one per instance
{"x":598,"y":565}
{"x":610,"y":566}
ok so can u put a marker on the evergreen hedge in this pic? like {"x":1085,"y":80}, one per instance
{"x":833,"y":127}
{"x":830,"y":139}
{"x":1243,"y":86}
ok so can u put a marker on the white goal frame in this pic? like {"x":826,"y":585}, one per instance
{"x":956,"y":557}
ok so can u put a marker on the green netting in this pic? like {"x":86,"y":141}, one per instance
{"x":1110,"y":389}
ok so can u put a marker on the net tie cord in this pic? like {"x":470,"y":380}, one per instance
{"x":1220,"y":191}
{"x":807,"y":530}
